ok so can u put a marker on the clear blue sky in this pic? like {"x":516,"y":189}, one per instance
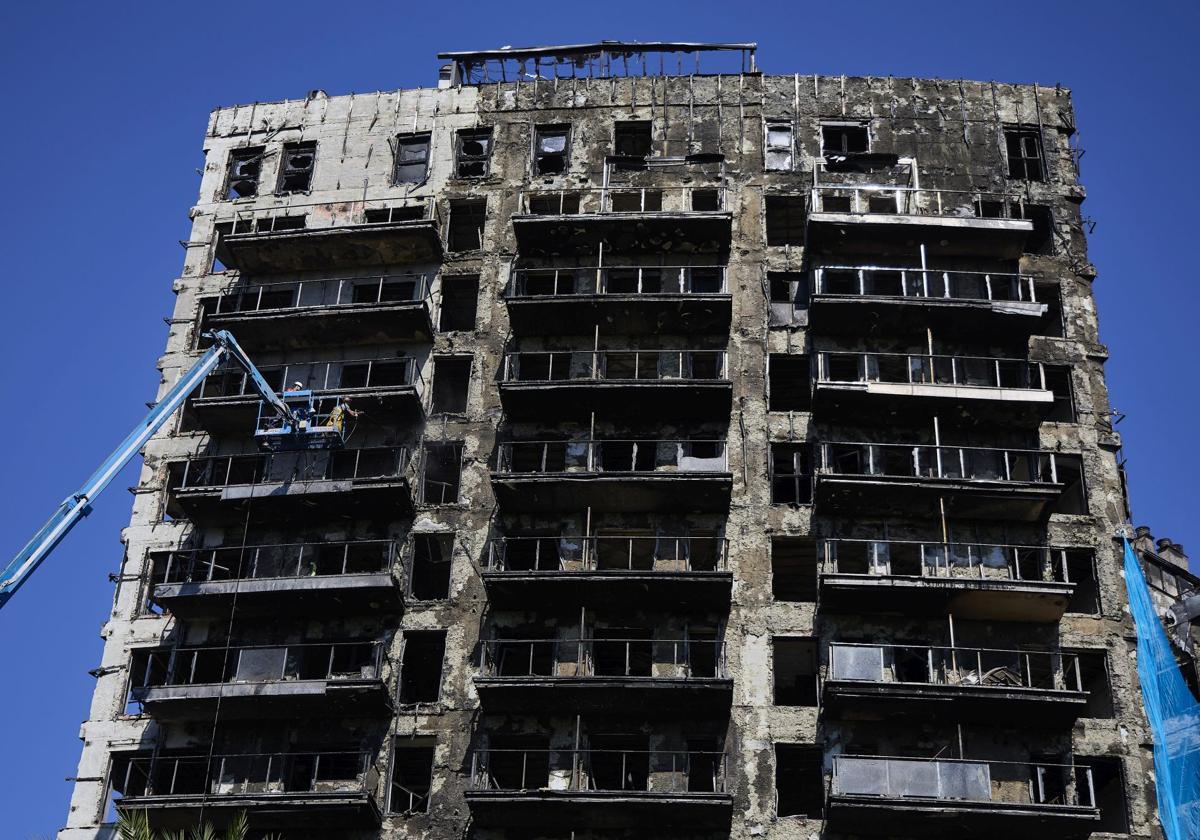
{"x":107,"y":106}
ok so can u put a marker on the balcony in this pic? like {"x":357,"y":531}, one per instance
{"x":635,"y":298}
{"x":634,"y":572}
{"x":334,"y":312}
{"x":328,"y":578}
{"x":599,"y":789}
{"x":909,"y":480}
{"x":626,"y":219}
{"x":875,"y":218}
{"x":262,"y":681}
{"x":886,"y":796}
{"x":304,"y":237}
{"x":962,"y":303}
{"x":387,"y":389}
{"x":972,"y":581}
{"x":305,"y":791}
{"x":910,"y":386}
{"x":676,"y":677}
{"x":646,"y":475}
{"x":689,"y":384}
{"x":373,"y":481}
{"x":963,"y":684}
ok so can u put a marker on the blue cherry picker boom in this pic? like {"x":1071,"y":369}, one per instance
{"x":287,"y":421}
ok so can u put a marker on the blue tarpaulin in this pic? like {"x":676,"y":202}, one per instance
{"x":1173,"y":712}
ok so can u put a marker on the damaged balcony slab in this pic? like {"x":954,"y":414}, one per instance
{"x":270,"y":699}
{"x":673,"y":696}
{"x":639,"y":313}
{"x":666,"y":398}
{"x":346,"y":594}
{"x":299,"y":497}
{"x":875,"y":234}
{"x":319,"y":810}
{"x":337,"y":246}
{"x":846,"y":314}
{"x":1024,"y":501}
{"x":236,"y":413}
{"x":296,"y":328}
{"x":964,"y":597}
{"x":648,"y":491}
{"x":649,"y":232}
{"x":545,"y":808}
{"x":620,"y":588}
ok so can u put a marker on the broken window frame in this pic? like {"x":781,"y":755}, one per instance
{"x":411,"y":743}
{"x":444,"y":498}
{"x":464,"y":159}
{"x":243,"y":155}
{"x":404,"y":142}
{"x":1029,"y":164}
{"x":296,"y":149}
{"x":409,"y":636}
{"x":541,"y":132}
{"x":796,"y":477}
{"x":467,"y":206}
{"x":445,"y":547}
{"x":777,"y":150}
{"x":456,"y":360}
{"x":627,"y":127}
{"x":845,"y":150}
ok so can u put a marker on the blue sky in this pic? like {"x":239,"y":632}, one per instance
{"x":107,"y":106}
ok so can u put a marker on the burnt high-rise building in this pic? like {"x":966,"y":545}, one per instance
{"x":729,"y":455}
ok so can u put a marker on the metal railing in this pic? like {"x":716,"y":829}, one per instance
{"x":926,"y":369}
{"x":1002,"y":782}
{"x":336,"y":375}
{"x":621,"y":199}
{"x":980,"y":561}
{"x":342,"y":292}
{"x":285,"y":560}
{"x":892,"y":199}
{"x":610,"y":365}
{"x":611,"y":456}
{"x":263,"y":663}
{"x":646,"y":657}
{"x":281,"y":216}
{"x":334,"y":465}
{"x":608,"y":553}
{"x":928,"y":461}
{"x":971,"y":667}
{"x":618,"y":281}
{"x":880,"y":281}
{"x":656,"y":771}
{"x":259,"y":774}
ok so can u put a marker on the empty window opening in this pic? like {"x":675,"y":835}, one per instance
{"x":1058,"y":381}
{"x":245,"y":166}
{"x":844,"y":139}
{"x":799,"y":781}
{"x":421,"y":666}
{"x":1041,"y":240}
{"x":632,"y":139}
{"x":465,"y":231}
{"x":1069,"y":471}
{"x":429,"y":576}
{"x":1081,"y":571}
{"x":705,"y":200}
{"x":1024,"y":147}
{"x":472,"y":152}
{"x":789,"y":292}
{"x":1108,"y":782}
{"x":794,"y":662}
{"x":778,"y":150}
{"x":296,"y":168}
{"x":785,"y":219}
{"x":441,"y":473}
{"x":1093,"y":678}
{"x":791,"y":474}
{"x":412,"y":776}
{"x":451,"y":381}
{"x":556,"y":204}
{"x":794,"y":569}
{"x":460,"y":299}
{"x":1052,"y":322}
{"x":550,"y":149}
{"x":789,"y":387}
{"x":412,"y":159}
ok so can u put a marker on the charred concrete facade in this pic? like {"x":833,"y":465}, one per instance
{"x":733,"y":459}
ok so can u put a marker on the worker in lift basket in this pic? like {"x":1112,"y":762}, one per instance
{"x":337,"y":417}
{"x":302,"y":412}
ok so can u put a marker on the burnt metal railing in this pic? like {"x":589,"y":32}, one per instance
{"x":284,"y":560}
{"x":891,"y":199}
{"x":262,"y":663}
{"x":927,"y":369}
{"x":621,"y":199}
{"x":880,"y":281}
{"x":609,"y":552}
{"x":258,"y":774}
{"x":955,"y":666}
{"x":615,"y":365}
{"x":981,"y":561}
{"x":600,"y":770}
{"x":338,"y":376}
{"x":340,"y":464}
{"x":611,"y":456}
{"x":943,"y":462}
{"x":592,"y":657}
{"x":340,"y":293}
{"x":617,"y":281}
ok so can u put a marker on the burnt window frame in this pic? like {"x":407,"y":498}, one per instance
{"x":619,"y":125}
{"x":401,"y":142}
{"x":407,"y":638}
{"x":458,"y":445}
{"x":289,"y":149}
{"x":799,"y":450}
{"x":459,"y":205}
{"x":414,"y":743}
{"x":445,"y":541}
{"x":243,"y":155}
{"x":845,"y":124}
{"x":456,"y":280}
{"x":1018,"y":167}
{"x":462,"y":158}
{"x":549,"y":130}
{"x":768,"y":125}
{"x":464,"y":359}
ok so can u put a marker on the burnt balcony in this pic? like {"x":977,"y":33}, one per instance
{"x":312,"y":791}
{"x":370,"y":481}
{"x":676,"y":677}
{"x":626,"y":571}
{"x":965,"y":303}
{"x":330,"y":578}
{"x":909,"y":480}
{"x":329,"y":312}
{"x":870,"y":218}
{"x":970,"y":580}
{"x":599,"y":789}
{"x":388,"y":389}
{"x":626,"y":219}
{"x":911,"y":386}
{"x":317,"y":679}
{"x":885,"y":796}
{"x":633,"y":298}
{"x":689,"y":384}
{"x":303,"y":237}
{"x":963,"y":684}
{"x":647,"y":475}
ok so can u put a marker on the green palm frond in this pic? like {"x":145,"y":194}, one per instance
{"x":134,"y":825}
{"x":239,"y":827}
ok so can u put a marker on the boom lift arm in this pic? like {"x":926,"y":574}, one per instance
{"x":79,"y":504}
